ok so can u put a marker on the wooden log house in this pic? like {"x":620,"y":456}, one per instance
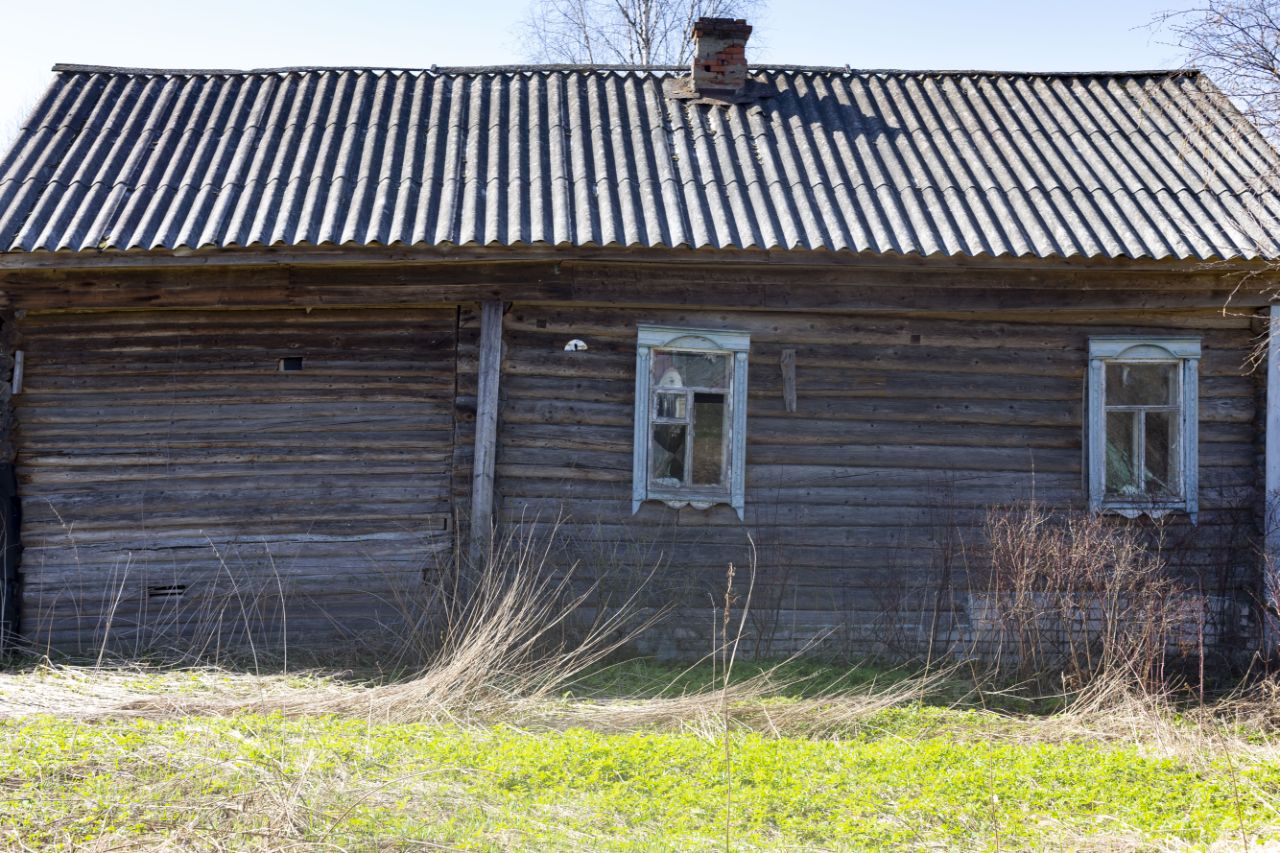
{"x":307,"y":335}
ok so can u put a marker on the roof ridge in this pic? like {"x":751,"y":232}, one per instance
{"x":74,"y":68}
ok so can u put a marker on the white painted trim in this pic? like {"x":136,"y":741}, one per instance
{"x":1191,"y":433}
{"x":1143,"y":348}
{"x":640,"y":456}
{"x":19,"y":366}
{"x":1136,"y":348}
{"x":715,"y":339}
{"x":695,"y":340}
{"x":738,"y":441}
{"x":1097,"y":457}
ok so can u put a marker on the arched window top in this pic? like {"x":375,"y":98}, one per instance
{"x":693,"y":342}
{"x":712,"y":340}
{"x":1144,"y":349}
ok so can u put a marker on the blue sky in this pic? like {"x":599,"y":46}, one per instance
{"x":989,"y":34}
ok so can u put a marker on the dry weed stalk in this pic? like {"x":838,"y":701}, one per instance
{"x":1077,"y":595}
{"x":517,"y":639}
{"x":505,"y":654}
{"x":730,"y":598}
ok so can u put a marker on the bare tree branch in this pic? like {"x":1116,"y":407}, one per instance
{"x":621,"y":32}
{"x":1237,"y":43}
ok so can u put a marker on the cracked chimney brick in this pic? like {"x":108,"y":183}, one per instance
{"x":720,"y":56}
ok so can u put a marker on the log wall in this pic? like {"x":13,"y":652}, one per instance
{"x":178,"y":487}
{"x":158,"y":446}
{"x":871,"y":496}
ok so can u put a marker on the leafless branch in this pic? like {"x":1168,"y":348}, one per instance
{"x":621,"y":32}
{"x":1237,"y":43}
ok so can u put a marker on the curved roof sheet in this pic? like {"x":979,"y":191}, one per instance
{"x":1131,"y":165}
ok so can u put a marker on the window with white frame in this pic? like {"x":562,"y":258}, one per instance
{"x":691,"y":417}
{"x":1143,"y":425}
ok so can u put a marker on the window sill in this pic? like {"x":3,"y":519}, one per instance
{"x":676,"y":500}
{"x":1150,"y":510}
{"x":693,"y":501}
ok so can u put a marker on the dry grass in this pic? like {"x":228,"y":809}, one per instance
{"x":507,"y":654}
{"x":1246,"y":723}
{"x":96,"y":691}
{"x":504,"y":648}
{"x":511,"y":638}
{"x":502,"y":738}
{"x":765,"y":702}
{"x":315,"y":764}
{"x":1075,"y":596}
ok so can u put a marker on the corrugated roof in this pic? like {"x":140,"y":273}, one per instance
{"x":1132,"y":165}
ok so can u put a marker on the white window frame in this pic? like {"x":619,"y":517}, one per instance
{"x":649,"y":338}
{"x":1136,"y":350}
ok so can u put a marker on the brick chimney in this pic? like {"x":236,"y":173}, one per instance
{"x":720,"y":57}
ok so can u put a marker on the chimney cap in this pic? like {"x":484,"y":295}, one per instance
{"x":736,"y":28}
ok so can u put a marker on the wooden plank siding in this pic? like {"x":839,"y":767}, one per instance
{"x":906,"y":429}
{"x":158,"y":444}
{"x":165,"y":451}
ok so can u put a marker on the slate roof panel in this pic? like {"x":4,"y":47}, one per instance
{"x":1133,"y":165}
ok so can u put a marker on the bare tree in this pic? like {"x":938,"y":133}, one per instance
{"x":1237,"y":42}
{"x":621,"y":32}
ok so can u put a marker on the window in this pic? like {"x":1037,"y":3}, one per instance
{"x":1143,"y":425}
{"x":691,"y":417}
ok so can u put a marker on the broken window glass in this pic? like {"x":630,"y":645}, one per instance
{"x":1160,"y":469}
{"x":672,"y":406}
{"x":709,"y":411}
{"x":690,"y":369}
{"x":1143,"y":449}
{"x":1122,"y":455}
{"x":668,"y":454}
{"x":690,"y":419}
{"x":1141,"y":384}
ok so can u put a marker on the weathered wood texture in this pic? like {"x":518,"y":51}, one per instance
{"x":10,"y":507}
{"x":486,"y":429}
{"x":873,"y":492}
{"x":466,"y":382}
{"x":177,"y":483}
{"x":160,"y":446}
{"x":874,"y":287}
{"x":1270,"y":422}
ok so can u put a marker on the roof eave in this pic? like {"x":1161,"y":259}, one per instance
{"x":391,"y":255}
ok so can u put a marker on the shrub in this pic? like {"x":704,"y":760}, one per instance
{"x":1077,"y":594}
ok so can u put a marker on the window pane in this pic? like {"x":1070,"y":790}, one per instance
{"x":668,"y":454}
{"x":708,"y":439}
{"x":1122,"y":457}
{"x":1162,"y":477}
{"x":690,"y":369}
{"x":1141,"y":384}
{"x":673,"y":405}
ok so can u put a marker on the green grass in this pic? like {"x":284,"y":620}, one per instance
{"x":911,"y":777}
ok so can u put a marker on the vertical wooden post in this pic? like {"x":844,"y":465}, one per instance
{"x":490,"y":371}
{"x":1097,"y":456}
{"x":10,"y":507}
{"x":789,"y":379}
{"x":640,"y":453}
{"x":1271,"y":505}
